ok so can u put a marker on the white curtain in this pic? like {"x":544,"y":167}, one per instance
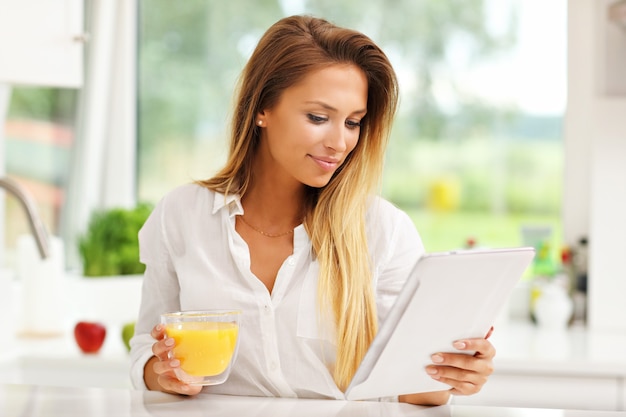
{"x":103,"y":171}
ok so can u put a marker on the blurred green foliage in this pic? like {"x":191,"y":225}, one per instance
{"x":191,"y":52}
{"x":450,"y":230}
{"x":495,"y":176}
{"x":433,"y":38}
{"x":110,"y":245}
{"x":43,"y":103}
{"x":507,"y":165}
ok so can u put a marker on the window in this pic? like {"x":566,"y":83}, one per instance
{"x":476,"y":151}
{"x":70,"y":143}
{"x":38,"y":140}
{"x":41,"y":50}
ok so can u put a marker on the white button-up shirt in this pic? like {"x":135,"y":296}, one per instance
{"x":196,"y":260}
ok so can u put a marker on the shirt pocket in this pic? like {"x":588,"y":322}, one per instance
{"x":311,"y":323}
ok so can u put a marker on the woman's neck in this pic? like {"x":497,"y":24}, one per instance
{"x":271,"y":206}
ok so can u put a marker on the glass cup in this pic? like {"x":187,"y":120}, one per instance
{"x":206,"y":344}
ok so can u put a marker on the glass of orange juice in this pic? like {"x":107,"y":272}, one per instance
{"x":205,"y":344}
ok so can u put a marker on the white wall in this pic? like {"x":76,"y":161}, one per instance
{"x":595,"y":154}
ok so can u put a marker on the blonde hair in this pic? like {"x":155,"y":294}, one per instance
{"x":335,"y":214}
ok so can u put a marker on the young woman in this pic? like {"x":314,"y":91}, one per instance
{"x":290,"y":230}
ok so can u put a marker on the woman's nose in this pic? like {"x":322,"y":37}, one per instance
{"x":336,"y":139}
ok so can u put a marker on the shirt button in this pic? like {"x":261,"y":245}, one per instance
{"x":273,"y":366}
{"x":291,"y":261}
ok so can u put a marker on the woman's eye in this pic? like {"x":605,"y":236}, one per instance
{"x":353,"y":124}
{"x":316,"y":119}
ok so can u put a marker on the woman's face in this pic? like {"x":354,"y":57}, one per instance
{"x":309,"y":133}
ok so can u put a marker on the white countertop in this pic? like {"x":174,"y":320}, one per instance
{"x":47,"y":401}
{"x":58,"y":361}
{"x":522,"y":347}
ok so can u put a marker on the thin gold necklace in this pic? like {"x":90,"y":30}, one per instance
{"x":262,"y":232}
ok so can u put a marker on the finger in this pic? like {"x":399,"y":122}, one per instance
{"x":461,"y":381}
{"x":158,"y":332}
{"x":172,"y":384}
{"x":166,"y":367}
{"x":461,"y":361}
{"x":167,"y":379}
{"x":459,"y":375}
{"x":489,"y":333}
{"x":461,"y":387}
{"x":466,"y":374}
{"x":482,"y":347}
{"x":162,"y":348}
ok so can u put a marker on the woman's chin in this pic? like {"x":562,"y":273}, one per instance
{"x":319,"y":182}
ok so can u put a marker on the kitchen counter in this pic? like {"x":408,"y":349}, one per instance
{"x":47,"y":401}
{"x":58,"y":361}
{"x":524,"y":347}
{"x":574,"y":368}
{"x":534,"y":367}
{"x":30,"y":358}
{"x":537,"y":367}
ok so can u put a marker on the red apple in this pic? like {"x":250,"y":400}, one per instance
{"x":89,"y":336}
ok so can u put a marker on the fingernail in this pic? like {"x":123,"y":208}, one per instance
{"x":431,"y":371}
{"x":175,"y":363}
{"x":459,"y":345}
{"x":159,"y":327}
{"x":437,"y":358}
{"x":169,"y":342}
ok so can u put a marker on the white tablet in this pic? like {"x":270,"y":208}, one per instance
{"x":448,"y":296}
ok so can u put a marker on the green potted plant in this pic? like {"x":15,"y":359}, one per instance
{"x":110,"y":244}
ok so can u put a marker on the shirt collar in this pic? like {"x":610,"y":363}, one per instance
{"x":232,"y":202}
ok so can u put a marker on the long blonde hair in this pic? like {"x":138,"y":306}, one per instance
{"x":335,"y":214}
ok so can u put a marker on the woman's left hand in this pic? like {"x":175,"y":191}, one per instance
{"x":466,"y":374}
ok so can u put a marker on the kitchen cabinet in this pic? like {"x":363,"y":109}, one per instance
{"x":41,"y":42}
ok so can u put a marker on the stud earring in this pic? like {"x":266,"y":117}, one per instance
{"x":260,"y":122}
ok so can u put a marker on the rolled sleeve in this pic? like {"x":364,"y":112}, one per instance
{"x":160,"y":292}
{"x":141,"y":346}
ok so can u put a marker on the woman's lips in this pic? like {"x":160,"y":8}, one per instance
{"x":327,"y":164}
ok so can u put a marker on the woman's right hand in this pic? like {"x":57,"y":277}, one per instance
{"x":159,"y":370}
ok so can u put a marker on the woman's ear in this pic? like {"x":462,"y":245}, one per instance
{"x":260,"y":119}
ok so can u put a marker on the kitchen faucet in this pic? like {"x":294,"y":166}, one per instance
{"x":36,"y":225}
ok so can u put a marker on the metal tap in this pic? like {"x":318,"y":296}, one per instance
{"x":36,"y":225}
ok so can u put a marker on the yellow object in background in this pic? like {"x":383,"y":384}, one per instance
{"x":444,"y":194}
{"x":203,"y":349}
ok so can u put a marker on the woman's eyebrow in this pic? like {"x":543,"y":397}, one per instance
{"x":331,"y":108}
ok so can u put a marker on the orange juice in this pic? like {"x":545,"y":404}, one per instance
{"x":203,"y":348}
